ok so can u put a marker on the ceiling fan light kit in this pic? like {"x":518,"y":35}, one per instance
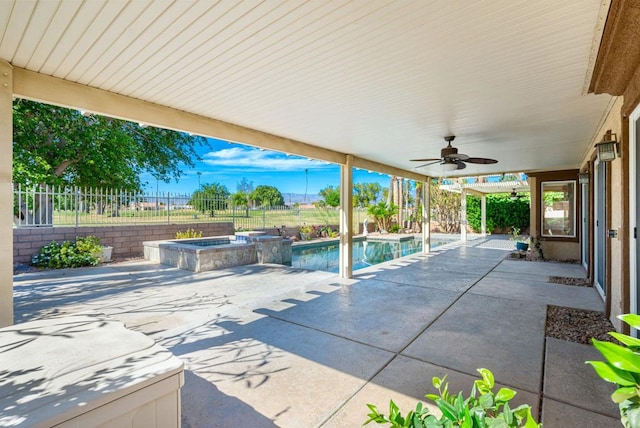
{"x":451,"y":160}
{"x":449,"y":166}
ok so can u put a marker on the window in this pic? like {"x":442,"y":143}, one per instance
{"x":559,"y":209}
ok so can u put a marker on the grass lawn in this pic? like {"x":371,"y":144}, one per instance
{"x":256,"y":219}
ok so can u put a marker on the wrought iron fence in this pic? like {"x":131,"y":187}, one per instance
{"x":57,"y":206}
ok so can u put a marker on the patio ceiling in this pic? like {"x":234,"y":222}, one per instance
{"x":382,"y":80}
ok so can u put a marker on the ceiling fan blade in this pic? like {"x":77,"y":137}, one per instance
{"x":484,"y":161}
{"x":461,"y":165}
{"x":424,"y":160}
{"x":428,"y":163}
{"x":457,"y":156}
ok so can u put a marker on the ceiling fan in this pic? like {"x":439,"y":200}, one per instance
{"x":451,"y":160}
{"x":514,"y":195}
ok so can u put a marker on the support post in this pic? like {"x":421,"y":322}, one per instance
{"x":463,"y":215}
{"x":483,"y":214}
{"x":6,"y":196}
{"x":346,"y":218}
{"x":426,"y":217}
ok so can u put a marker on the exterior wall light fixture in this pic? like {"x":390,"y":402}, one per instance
{"x":608,"y":147}
{"x":583,"y":178}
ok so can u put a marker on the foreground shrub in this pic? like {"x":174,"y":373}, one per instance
{"x":622,"y":368}
{"x":482,"y":409}
{"x":84,"y":252}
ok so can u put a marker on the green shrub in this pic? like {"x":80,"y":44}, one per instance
{"x":394,"y":228}
{"x":622,"y":368}
{"x":189,"y":233}
{"x":482,"y":409}
{"x":502,"y":212}
{"x":84,"y":252}
{"x":383,"y":214}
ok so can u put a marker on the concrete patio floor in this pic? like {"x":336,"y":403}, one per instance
{"x":271,"y":346}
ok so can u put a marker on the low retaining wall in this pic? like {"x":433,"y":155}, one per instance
{"x":125,"y":240}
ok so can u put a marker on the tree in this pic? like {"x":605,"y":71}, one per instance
{"x":417,"y":208}
{"x":446,"y":207}
{"x":330,"y":196}
{"x":382,"y":214}
{"x":267,"y":195}
{"x":365,"y":193}
{"x":58,"y":146}
{"x":244,"y":186}
{"x":241,"y":198}
{"x":210,"y":197}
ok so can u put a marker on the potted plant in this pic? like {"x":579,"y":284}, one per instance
{"x":522,"y":243}
{"x":305,"y":232}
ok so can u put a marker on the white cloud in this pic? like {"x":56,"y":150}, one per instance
{"x":259,"y":160}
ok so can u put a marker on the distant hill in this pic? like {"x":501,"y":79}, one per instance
{"x":292,"y":198}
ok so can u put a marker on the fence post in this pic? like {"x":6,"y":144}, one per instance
{"x":77,"y":206}
{"x":264,"y":217}
{"x":168,"y":208}
{"x":233,"y":215}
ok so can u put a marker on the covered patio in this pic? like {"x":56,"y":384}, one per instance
{"x":274,"y":346}
{"x":371,"y":85}
{"x":366,"y":85}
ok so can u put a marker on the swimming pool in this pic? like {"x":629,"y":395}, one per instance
{"x":325,"y":256}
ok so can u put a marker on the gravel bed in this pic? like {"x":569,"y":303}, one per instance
{"x":565,"y":280}
{"x":577,"y":325}
{"x":527,"y":256}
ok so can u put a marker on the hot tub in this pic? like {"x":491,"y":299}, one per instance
{"x":219,"y":252}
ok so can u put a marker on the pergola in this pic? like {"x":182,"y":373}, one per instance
{"x":360,"y":84}
{"x":481,"y":190}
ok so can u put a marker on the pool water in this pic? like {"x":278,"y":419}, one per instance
{"x":325,"y":256}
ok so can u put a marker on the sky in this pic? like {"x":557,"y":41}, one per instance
{"x":228,"y":163}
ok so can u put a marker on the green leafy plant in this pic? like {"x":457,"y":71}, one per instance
{"x":189,"y":233}
{"x":502,"y":212}
{"x":622,"y":367}
{"x":383,"y":214}
{"x":84,"y":252}
{"x":306,"y":229}
{"x":516,"y":236}
{"x":394,"y":228}
{"x":482,"y":409}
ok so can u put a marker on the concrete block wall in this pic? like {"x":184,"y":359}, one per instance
{"x":125,"y":240}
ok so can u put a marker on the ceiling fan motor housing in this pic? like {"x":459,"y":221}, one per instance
{"x":448,"y":151}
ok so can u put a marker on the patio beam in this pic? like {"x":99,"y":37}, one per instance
{"x":52,"y":90}
{"x":346,"y":219}
{"x":386,"y":169}
{"x":6,"y":194}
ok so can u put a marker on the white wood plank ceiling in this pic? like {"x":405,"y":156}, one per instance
{"x":383,"y":80}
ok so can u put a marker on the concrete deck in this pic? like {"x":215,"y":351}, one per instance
{"x":272,"y":346}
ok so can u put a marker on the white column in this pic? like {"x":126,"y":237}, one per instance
{"x":346,"y":218}
{"x":426,"y":217}
{"x":6,"y":194}
{"x":463,"y":215}
{"x":483,"y":214}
